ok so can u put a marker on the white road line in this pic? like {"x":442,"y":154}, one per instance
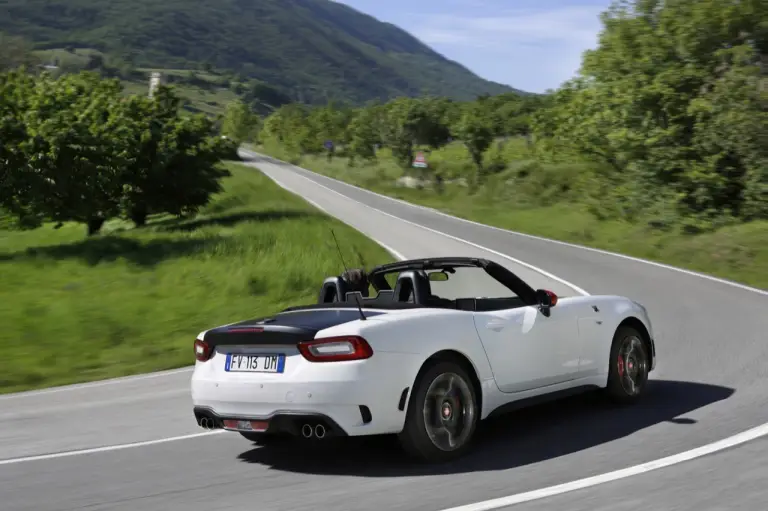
{"x":548,"y":240}
{"x":100,"y":383}
{"x":395,"y":253}
{"x":746,"y":436}
{"x":392,"y":251}
{"x":505,"y":256}
{"x":107,"y":448}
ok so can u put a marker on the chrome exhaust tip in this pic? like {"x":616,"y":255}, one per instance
{"x":206,"y":423}
{"x":307,"y":431}
{"x":319,"y":431}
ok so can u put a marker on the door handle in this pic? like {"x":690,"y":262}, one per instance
{"x":496,"y":325}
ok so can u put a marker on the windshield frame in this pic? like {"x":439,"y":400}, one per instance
{"x":377,"y":276}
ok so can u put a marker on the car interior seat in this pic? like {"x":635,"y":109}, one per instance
{"x":411,"y":287}
{"x":334,"y":289}
{"x":414,"y":287}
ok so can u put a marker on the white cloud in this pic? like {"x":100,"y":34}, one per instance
{"x":576,"y":24}
{"x":431,"y":35}
{"x":525,"y":47}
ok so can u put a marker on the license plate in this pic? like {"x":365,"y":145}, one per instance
{"x":239,"y":363}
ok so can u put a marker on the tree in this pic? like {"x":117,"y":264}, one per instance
{"x":192,"y":173}
{"x":671,"y":99}
{"x":430,"y":119}
{"x":476,"y":131}
{"x":143,"y":177}
{"x":17,"y":180}
{"x":326,"y":124}
{"x":240,"y":123}
{"x":363,"y":135}
{"x":289,"y":127}
{"x":399,"y":130}
{"x":173,"y":164}
{"x":512,"y":113}
{"x":77,"y":145}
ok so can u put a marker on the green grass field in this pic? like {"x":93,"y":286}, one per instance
{"x":133,"y":300}
{"x":546,"y":199}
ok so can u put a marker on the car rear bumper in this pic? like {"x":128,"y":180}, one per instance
{"x":290,"y":422}
{"x":346,"y":407}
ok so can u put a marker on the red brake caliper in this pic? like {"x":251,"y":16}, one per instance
{"x":621,"y":366}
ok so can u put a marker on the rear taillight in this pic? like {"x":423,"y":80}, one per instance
{"x":202,"y":350}
{"x":336,"y":349}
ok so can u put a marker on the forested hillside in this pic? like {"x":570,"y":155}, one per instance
{"x":311,"y":50}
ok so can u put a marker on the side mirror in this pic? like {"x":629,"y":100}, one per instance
{"x":546,"y":298}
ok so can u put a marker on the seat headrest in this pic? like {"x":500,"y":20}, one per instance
{"x":334,"y":289}
{"x":412,"y":286}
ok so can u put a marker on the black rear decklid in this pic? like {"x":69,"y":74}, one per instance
{"x":258,"y":335}
{"x":284,"y":329}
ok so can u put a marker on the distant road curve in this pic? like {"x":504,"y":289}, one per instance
{"x":710,"y":385}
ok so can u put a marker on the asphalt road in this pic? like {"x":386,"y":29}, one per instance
{"x":709,"y":385}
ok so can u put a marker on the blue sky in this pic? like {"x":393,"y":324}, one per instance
{"x":533,"y":45}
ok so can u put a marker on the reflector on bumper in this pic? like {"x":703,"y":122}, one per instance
{"x":245,"y":425}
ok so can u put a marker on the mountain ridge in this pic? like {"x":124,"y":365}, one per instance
{"x":316,"y":49}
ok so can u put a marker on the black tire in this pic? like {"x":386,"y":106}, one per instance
{"x":415,"y":437}
{"x":639,"y":363}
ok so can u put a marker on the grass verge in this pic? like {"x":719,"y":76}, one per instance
{"x":536,"y":204}
{"x":132,"y":300}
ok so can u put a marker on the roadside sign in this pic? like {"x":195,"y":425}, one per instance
{"x":420,"y":161}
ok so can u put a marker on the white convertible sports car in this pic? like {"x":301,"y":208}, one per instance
{"x":443,"y":343}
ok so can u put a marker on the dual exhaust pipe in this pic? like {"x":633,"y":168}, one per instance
{"x":307,"y":431}
{"x":208,"y":423}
